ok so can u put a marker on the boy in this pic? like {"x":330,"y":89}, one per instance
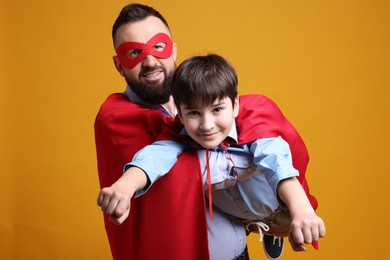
{"x":247,"y":166}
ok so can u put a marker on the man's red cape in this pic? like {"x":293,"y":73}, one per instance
{"x":260,"y":117}
{"x":168,"y":222}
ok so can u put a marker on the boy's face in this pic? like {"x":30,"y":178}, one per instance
{"x":210,"y":125}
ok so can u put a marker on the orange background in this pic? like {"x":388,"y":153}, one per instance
{"x":325,"y":63}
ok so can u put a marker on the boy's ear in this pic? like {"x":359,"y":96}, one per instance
{"x":179,"y":114}
{"x":236,"y":107}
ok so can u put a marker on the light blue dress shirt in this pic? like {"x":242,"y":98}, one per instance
{"x":245,"y":178}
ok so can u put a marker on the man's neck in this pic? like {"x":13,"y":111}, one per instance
{"x":170,"y":107}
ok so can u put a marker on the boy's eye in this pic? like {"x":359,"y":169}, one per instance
{"x":193,"y":113}
{"x":133,"y":53}
{"x":218,"y":109}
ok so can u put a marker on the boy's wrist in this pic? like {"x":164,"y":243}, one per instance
{"x":292,"y":194}
{"x":301,"y":210}
{"x":132,"y":180}
{"x":125,"y":188}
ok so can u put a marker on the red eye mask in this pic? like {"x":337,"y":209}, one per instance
{"x":145,"y":49}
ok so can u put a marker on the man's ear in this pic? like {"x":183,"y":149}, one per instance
{"x":118,"y":65}
{"x":174,"y":51}
{"x":236,"y":107}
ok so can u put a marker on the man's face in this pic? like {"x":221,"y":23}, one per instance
{"x":150,"y":78}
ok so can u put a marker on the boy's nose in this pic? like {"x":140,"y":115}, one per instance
{"x":207,"y":124}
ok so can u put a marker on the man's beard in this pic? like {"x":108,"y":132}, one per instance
{"x":154,"y":94}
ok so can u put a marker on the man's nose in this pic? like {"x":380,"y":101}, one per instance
{"x":149,"y":61}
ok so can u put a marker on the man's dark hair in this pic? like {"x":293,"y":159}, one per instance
{"x":200,"y":80}
{"x":135,"y":13}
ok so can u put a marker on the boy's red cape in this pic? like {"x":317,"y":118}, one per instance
{"x":169,"y":222}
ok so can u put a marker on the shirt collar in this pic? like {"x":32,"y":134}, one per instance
{"x":232,"y":134}
{"x":134,"y":98}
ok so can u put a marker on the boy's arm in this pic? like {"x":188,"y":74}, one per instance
{"x":149,"y":164}
{"x":115,"y":200}
{"x":306,"y":226}
{"x":156,"y":160}
{"x":273,"y":158}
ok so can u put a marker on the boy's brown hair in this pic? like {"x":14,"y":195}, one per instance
{"x":200,"y":80}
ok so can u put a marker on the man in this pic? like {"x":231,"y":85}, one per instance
{"x":264,"y":168}
{"x":172,"y":226}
